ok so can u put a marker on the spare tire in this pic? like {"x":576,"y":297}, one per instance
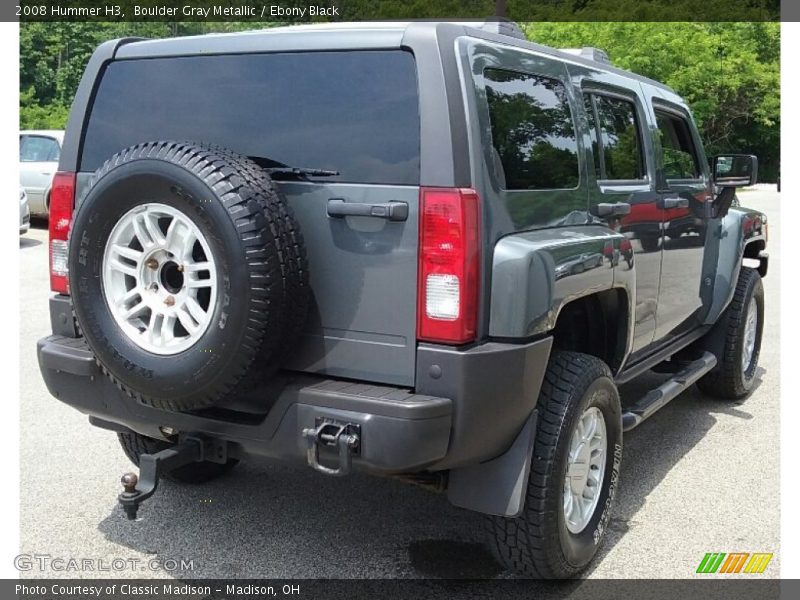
{"x":187,"y":273}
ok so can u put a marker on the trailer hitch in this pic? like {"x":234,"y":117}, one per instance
{"x":151,"y":466}
{"x":344,"y":438}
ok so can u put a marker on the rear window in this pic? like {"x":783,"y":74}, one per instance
{"x":353,"y":112}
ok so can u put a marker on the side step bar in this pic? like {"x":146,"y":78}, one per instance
{"x":659,"y":397}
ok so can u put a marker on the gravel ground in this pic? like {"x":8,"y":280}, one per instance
{"x":701,"y":476}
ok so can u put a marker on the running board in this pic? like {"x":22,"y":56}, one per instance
{"x":657,"y":398}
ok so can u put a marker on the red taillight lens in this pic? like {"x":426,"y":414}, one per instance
{"x":449,"y":265}
{"x":62,"y":203}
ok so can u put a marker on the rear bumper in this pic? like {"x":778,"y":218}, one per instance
{"x":484,"y":397}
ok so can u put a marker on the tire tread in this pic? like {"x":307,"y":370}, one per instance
{"x":526,"y":544}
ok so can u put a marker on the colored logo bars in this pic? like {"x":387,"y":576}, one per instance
{"x":735,"y":562}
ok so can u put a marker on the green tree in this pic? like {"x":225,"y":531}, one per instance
{"x":729,"y":74}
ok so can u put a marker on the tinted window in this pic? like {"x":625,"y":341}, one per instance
{"x":37,"y":148}
{"x":620,"y":156}
{"x":678,"y":153}
{"x":354,"y":112}
{"x":532,"y":130}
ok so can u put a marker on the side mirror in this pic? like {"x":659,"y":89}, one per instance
{"x":734,"y":170}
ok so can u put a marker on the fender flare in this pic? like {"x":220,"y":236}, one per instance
{"x":740,"y":228}
{"x":535,"y":274}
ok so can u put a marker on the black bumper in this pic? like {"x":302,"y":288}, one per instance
{"x":469,"y":406}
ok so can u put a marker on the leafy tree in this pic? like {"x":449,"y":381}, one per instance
{"x":729,"y":74}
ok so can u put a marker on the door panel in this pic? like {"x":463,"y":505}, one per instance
{"x":622,"y":181}
{"x":36,"y":178}
{"x":685,"y":195}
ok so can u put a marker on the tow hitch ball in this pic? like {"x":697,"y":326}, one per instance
{"x":345,"y":438}
{"x":151,"y":466}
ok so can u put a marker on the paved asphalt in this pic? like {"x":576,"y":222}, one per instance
{"x":700,"y":476}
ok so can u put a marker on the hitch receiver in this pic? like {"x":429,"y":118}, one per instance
{"x":151,"y":466}
{"x":345,"y":437}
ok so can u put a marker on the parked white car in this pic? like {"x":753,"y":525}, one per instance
{"x":24,"y":212}
{"x":39,"y":151}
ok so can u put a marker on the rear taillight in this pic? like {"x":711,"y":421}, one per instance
{"x":449,"y":257}
{"x":62,"y":203}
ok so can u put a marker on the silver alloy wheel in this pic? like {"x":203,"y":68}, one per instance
{"x":750,"y":331}
{"x":159,"y":278}
{"x":586,"y":465}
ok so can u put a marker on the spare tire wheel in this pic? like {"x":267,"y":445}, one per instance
{"x":181,"y":272}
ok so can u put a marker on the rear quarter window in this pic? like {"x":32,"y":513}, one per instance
{"x":353,"y":112}
{"x":533,"y":134}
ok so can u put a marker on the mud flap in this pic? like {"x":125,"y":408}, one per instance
{"x":498,"y":486}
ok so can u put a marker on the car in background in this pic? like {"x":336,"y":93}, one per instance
{"x":24,"y":212}
{"x":39,"y":151}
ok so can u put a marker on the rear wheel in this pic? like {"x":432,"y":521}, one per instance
{"x":740,"y":327}
{"x":135,"y":444}
{"x":574,"y":473}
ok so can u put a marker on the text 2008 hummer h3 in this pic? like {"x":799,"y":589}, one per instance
{"x":427,"y":250}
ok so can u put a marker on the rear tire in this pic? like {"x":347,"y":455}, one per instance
{"x":737,"y":358}
{"x":542,"y":542}
{"x":247,"y":242}
{"x":135,"y":444}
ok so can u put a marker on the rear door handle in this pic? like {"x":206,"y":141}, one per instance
{"x":675,"y":202}
{"x":611,"y":209}
{"x":391,"y":211}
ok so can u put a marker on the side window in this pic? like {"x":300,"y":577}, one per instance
{"x":678,"y":152}
{"x":37,"y":148}
{"x":616,"y":138}
{"x":533,"y":134}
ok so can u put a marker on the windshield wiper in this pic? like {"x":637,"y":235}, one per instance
{"x":274,"y":167}
{"x":302,"y":171}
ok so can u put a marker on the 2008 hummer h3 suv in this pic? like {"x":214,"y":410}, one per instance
{"x":430,"y":250}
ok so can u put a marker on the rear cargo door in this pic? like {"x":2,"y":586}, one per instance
{"x":354,"y":112}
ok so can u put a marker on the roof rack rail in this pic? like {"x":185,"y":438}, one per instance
{"x":589,"y":53}
{"x":502,"y":26}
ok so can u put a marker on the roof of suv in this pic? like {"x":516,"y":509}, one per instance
{"x":341,"y":36}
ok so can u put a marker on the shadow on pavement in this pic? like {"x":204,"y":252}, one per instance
{"x":678,"y":427}
{"x":26,"y":242}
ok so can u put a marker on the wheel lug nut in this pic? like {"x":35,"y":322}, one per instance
{"x":152,"y":263}
{"x":169,"y":300}
{"x":180,"y":268}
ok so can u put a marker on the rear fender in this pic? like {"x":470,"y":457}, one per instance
{"x":536,"y":273}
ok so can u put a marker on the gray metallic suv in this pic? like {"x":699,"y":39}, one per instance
{"x":425,"y":250}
